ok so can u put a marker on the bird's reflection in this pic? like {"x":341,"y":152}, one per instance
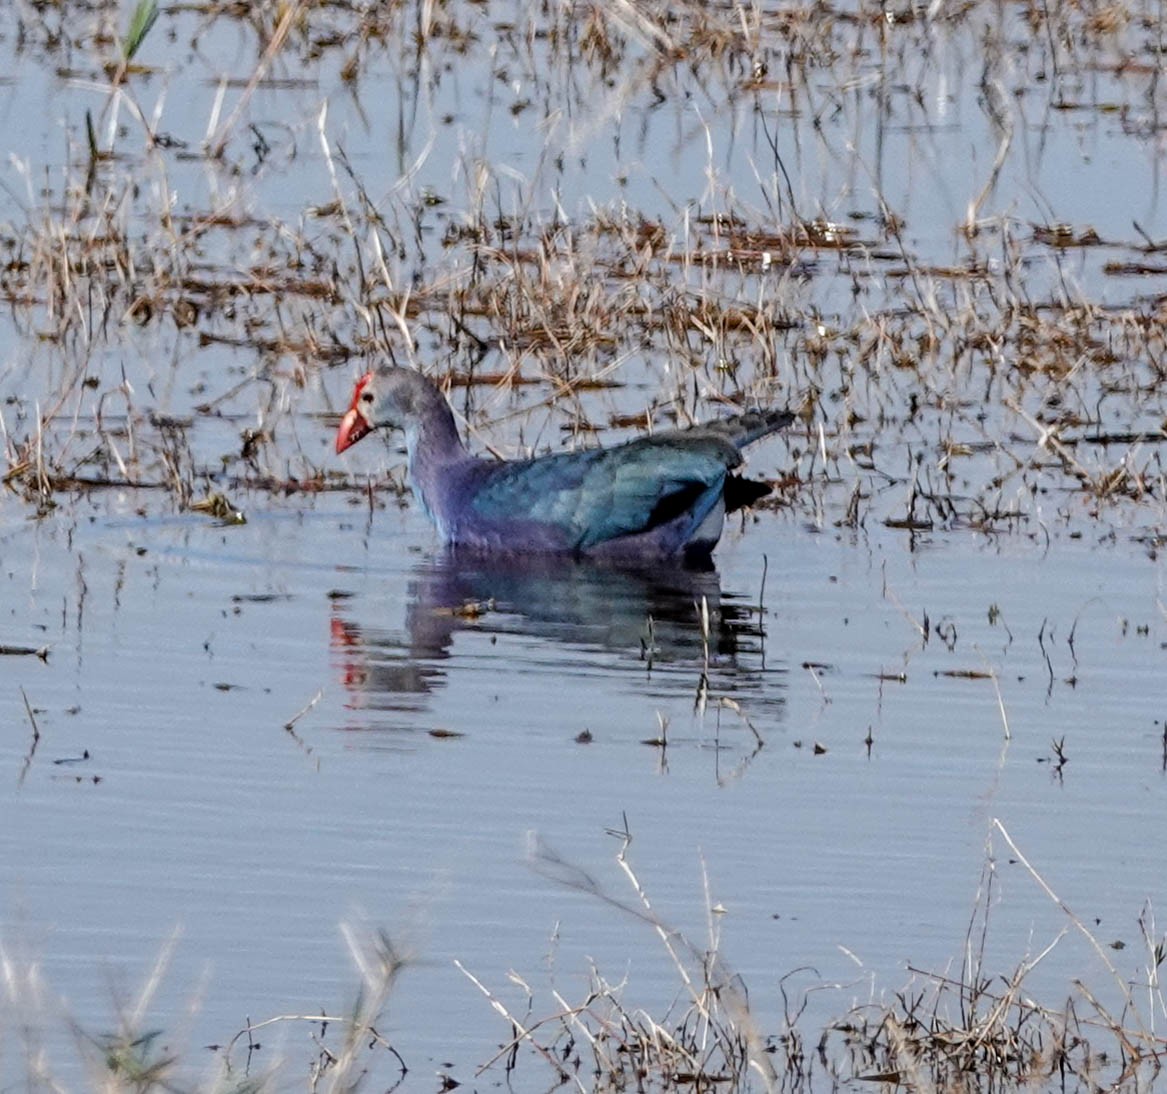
{"x":652,"y":621}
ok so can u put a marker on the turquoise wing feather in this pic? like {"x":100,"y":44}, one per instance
{"x":601,"y":494}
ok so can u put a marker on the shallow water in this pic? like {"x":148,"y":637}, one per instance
{"x":442,"y":754}
{"x":243,"y":737}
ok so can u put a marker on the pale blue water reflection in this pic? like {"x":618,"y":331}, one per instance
{"x":178,"y":650}
{"x":623,"y":629}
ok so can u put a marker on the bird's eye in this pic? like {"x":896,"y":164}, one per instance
{"x":367,"y":397}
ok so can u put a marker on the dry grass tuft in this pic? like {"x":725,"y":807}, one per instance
{"x":975,"y":1031}
{"x":1010,"y":379}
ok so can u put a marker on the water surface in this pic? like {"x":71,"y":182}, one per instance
{"x":937,"y":233}
{"x":442,"y":750}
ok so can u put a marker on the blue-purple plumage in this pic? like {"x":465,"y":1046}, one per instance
{"x":659,"y":496}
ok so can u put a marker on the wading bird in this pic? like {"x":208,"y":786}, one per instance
{"x":662,"y":496}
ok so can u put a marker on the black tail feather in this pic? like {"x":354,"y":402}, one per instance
{"x":741,"y":492}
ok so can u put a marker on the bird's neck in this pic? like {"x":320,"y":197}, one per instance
{"x":433,"y":444}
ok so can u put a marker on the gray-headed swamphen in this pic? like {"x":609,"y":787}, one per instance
{"x":661,"y":496}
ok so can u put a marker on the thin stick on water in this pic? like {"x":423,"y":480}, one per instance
{"x":1045,"y":887}
{"x":275,"y":44}
{"x":291,"y":722}
{"x":524,"y":1034}
{"x":889,"y":594}
{"x":762,"y":590}
{"x":36,"y":737}
{"x":992,"y":674}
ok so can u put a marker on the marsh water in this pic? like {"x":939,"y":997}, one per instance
{"x":441,"y":766}
{"x":912,"y":724}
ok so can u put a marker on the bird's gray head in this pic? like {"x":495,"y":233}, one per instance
{"x":390,"y":397}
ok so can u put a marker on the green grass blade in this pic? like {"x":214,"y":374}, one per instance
{"x":145,"y":13}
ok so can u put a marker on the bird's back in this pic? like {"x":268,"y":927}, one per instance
{"x":658,"y":495}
